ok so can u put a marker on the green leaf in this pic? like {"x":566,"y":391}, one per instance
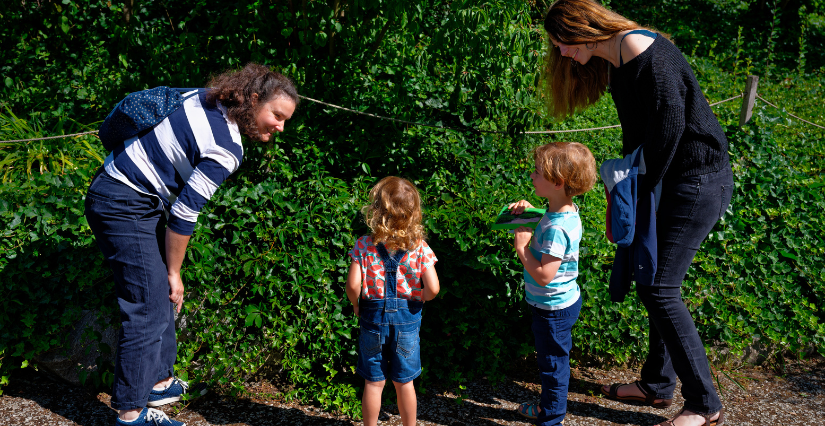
{"x":788,"y":255}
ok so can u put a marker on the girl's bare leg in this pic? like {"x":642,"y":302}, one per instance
{"x":371,"y":402}
{"x":407,"y":402}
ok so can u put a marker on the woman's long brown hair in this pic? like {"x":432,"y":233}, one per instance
{"x":567,"y":87}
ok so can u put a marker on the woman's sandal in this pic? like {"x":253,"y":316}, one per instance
{"x":647,"y":399}
{"x":531,"y":411}
{"x":708,"y":422}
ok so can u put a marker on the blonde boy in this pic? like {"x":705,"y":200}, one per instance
{"x":550,"y":256}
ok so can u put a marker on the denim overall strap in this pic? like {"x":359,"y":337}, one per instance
{"x":390,"y":280}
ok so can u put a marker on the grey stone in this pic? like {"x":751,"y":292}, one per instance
{"x":79,"y":352}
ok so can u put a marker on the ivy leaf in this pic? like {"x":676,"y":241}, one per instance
{"x":788,"y":255}
{"x":253,"y":316}
{"x":321,"y":38}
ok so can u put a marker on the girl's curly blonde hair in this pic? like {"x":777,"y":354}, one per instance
{"x":394,"y":214}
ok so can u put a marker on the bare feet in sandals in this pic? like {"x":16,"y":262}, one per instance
{"x":689,"y":418}
{"x":633,"y":393}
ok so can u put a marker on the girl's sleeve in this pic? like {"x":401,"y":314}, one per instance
{"x":427,"y":256}
{"x":356,"y":254}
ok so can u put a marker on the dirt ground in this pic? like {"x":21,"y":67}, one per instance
{"x":791,"y":396}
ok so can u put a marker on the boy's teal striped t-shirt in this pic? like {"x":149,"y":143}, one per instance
{"x":559,"y":235}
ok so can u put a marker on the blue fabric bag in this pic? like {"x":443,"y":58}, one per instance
{"x":139,"y":111}
{"x":622,"y":197}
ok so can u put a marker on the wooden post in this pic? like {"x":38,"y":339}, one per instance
{"x":747,"y":100}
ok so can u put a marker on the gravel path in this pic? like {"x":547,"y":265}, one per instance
{"x":793,"y":397}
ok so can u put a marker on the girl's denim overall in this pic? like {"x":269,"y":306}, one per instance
{"x":389,"y":342}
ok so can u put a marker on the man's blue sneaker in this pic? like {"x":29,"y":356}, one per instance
{"x":151,"y":417}
{"x":173,"y":393}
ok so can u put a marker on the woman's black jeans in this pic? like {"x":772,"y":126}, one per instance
{"x":688,"y":210}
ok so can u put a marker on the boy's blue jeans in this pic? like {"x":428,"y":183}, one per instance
{"x":553,"y":333}
{"x":130,"y":229}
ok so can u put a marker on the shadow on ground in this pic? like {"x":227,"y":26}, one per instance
{"x":34,"y":399}
{"x":487,"y":404}
{"x":792,"y":397}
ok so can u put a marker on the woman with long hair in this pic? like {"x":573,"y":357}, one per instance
{"x":661,"y":107}
{"x":142,"y":207}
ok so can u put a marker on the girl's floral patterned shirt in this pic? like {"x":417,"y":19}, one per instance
{"x":408,"y":277}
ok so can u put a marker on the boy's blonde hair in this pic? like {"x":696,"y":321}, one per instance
{"x":394,"y":214}
{"x":570,"y":162}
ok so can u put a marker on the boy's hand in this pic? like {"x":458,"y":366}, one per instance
{"x":522,"y":238}
{"x":518,"y":207}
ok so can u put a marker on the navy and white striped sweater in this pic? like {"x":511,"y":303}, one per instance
{"x":182,"y":160}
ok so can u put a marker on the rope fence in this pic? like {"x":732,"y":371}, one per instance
{"x":728,"y":99}
{"x":50,"y":137}
{"x":468,"y":129}
{"x":800,"y":119}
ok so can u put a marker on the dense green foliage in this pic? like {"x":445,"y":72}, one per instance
{"x":266,"y":266}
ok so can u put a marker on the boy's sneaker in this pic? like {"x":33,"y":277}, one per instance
{"x":151,"y":417}
{"x":173,"y":393}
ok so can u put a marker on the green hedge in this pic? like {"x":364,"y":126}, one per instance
{"x":266,"y":267}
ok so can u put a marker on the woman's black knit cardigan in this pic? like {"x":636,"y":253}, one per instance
{"x":661,"y":106}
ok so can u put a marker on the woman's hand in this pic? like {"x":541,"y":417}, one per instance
{"x":522,"y":238}
{"x":518,"y":207}
{"x":175,"y":252}
{"x":176,"y":290}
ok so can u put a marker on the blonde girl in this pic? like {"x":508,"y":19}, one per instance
{"x":390,"y":315}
